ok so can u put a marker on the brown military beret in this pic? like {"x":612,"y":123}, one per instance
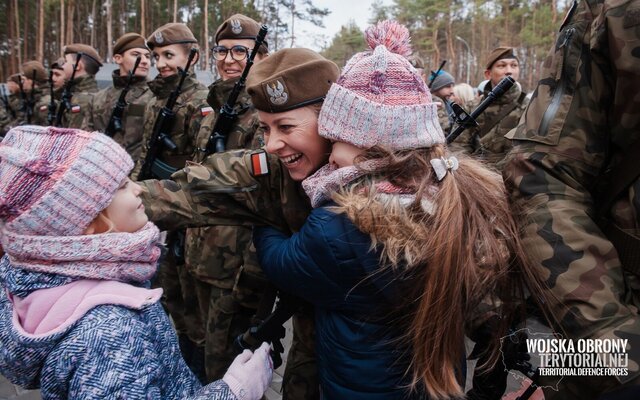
{"x":15,"y":78}
{"x":30,"y":67}
{"x":500,"y":53}
{"x":57,"y":64}
{"x":171,"y":33}
{"x":129,"y":41}
{"x":86,"y":50}
{"x":239,"y":26}
{"x":290,"y":78}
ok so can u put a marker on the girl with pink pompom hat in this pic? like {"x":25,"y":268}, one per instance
{"x":404,"y":242}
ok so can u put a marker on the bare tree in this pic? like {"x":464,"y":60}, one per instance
{"x":175,"y":10}
{"x":25,"y":31}
{"x":62,"y":31}
{"x":143,"y":18}
{"x":107,"y":4}
{"x":17,"y":33}
{"x":205,"y":41}
{"x":40,"y":32}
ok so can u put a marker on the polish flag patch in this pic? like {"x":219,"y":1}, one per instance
{"x":43,"y":108}
{"x":75,"y":109}
{"x":259,"y":164}
{"x":204,"y":111}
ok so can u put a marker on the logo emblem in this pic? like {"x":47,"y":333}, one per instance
{"x":236,"y":26}
{"x":158,"y":37}
{"x":277,"y":93}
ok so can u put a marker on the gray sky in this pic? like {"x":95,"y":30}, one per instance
{"x":307,"y":35}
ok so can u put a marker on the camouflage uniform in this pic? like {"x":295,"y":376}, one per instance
{"x":223,"y":191}
{"x":582,"y":118}
{"x":488,"y":140}
{"x":41,"y":110}
{"x":21,"y":111}
{"x":133,"y":117}
{"x":81,"y":114}
{"x":172,"y":275}
{"x":7,"y":121}
{"x":227,"y":279}
{"x":443,"y":116}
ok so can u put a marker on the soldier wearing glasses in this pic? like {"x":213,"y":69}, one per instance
{"x":221,"y":262}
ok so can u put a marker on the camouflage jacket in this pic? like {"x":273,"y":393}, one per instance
{"x":583,"y":115}
{"x":7,"y":121}
{"x":21,"y":110}
{"x":41,"y":110}
{"x":133,"y":117}
{"x":222,"y":190}
{"x":488,"y":141}
{"x":443,"y":116}
{"x":189,"y":111}
{"x":81,"y":114}
{"x":215,"y":254}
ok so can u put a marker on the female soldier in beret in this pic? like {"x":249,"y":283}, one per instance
{"x":257,"y":187}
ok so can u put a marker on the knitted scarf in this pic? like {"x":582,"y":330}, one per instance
{"x":124,"y":257}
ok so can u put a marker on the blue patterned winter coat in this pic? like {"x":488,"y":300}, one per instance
{"x":111,"y":352}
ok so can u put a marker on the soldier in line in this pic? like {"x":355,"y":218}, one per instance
{"x":488,"y":141}
{"x":9,"y":117}
{"x":442,"y":90}
{"x":125,"y":51}
{"x":224,"y":274}
{"x":41,"y":111}
{"x":84,"y":85}
{"x":33,"y":91}
{"x":574,"y":180}
{"x":170,"y":46}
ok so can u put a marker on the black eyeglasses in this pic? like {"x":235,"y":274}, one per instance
{"x":238,"y":52}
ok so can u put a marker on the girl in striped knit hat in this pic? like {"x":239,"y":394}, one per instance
{"x":404,"y":241}
{"x":77,"y":319}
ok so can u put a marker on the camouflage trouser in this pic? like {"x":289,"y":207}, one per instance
{"x":300,"y":380}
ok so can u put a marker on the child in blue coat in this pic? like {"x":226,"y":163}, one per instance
{"x":405,"y":240}
{"x":77,"y":319}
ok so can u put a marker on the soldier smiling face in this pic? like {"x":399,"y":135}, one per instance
{"x":169,"y":58}
{"x":231,"y":56}
{"x":293,"y":137}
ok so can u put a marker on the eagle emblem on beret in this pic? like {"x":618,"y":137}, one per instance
{"x":236,"y":26}
{"x":158,"y":37}
{"x":277,"y":93}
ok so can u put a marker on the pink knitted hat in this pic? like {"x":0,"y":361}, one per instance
{"x":380,"y":99}
{"x":54,"y":181}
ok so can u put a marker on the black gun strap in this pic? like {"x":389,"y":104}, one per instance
{"x":486,"y":128}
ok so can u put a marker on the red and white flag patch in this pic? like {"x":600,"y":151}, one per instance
{"x":204,"y":111}
{"x":75,"y":109}
{"x":43,"y":108}
{"x":259,"y":164}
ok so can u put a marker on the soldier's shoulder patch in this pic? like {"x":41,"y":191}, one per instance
{"x":259,"y":163}
{"x":43,"y":107}
{"x":75,"y":108}
{"x":204,"y":111}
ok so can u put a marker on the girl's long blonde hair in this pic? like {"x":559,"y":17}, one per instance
{"x":459,"y":243}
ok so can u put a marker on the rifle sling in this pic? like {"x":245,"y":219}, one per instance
{"x":486,"y":128}
{"x":621,"y":177}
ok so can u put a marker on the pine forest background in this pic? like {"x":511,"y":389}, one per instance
{"x":461,"y":32}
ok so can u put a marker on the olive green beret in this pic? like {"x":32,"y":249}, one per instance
{"x":290,"y":78}
{"x":15,"y":78}
{"x":171,"y":33}
{"x":86,"y":50}
{"x":30,"y":67}
{"x":239,"y":26}
{"x":500,"y":53}
{"x":57,"y":64}
{"x":129,"y":41}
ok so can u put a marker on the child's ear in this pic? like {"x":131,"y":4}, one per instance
{"x":98,"y":225}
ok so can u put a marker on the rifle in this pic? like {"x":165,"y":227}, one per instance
{"x":5,"y":100}
{"x":161,"y":128}
{"x":51,"y":109}
{"x":65,"y":101}
{"x":115,"y":121}
{"x":271,"y":329}
{"x":24,"y":105}
{"x":32,"y":99}
{"x":228,"y":113}
{"x":435,"y":74}
{"x":466,"y":121}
